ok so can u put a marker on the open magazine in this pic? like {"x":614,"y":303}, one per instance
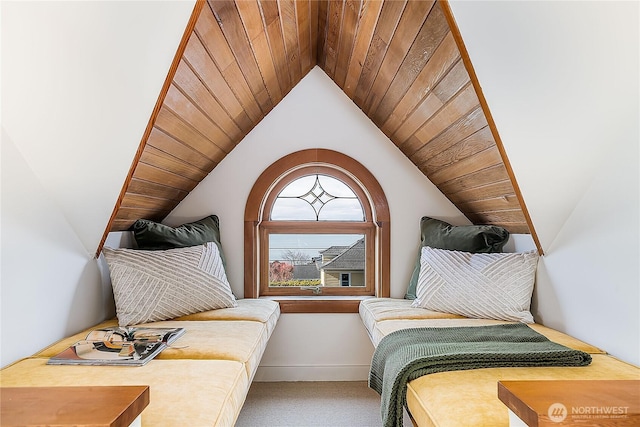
{"x":133,"y":346}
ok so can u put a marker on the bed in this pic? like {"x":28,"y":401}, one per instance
{"x":463,"y":284}
{"x":469,"y":397}
{"x":175,"y":278}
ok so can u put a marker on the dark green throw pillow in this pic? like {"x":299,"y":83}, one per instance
{"x":466,"y":238}
{"x":152,"y":235}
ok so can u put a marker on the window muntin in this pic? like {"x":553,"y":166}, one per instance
{"x":345,"y":279}
{"x":317,"y":197}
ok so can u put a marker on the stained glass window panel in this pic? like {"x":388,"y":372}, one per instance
{"x":317,"y":198}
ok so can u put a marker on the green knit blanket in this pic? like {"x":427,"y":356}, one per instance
{"x":407,"y":354}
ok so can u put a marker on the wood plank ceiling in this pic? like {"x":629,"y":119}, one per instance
{"x":403,"y":63}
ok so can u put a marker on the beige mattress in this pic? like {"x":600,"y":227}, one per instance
{"x":257,"y":310}
{"x":240,"y":333}
{"x":375,"y":310}
{"x":201,"y":380}
{"x":182,"y":392}
{"x":469,"y":398}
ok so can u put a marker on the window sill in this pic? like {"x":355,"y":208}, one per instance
{"x":318,"y":304}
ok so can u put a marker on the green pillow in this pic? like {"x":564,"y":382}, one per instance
{"x":152,"y":235}
{"x":467,"y":238}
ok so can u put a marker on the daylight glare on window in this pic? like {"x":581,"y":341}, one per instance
{"x":317,"y":198}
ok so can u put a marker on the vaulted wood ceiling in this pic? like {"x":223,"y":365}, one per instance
{"x":403,"y":63}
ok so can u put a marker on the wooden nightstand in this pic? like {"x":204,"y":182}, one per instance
{"x":117,"y":406}
{"x":564,"y":403}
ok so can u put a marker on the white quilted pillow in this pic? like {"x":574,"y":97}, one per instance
{"x":477,"y":285}
{"x":149,"y":286}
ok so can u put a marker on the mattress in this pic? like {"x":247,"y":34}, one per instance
{"x":469,"y":398}
{"x":182,"y":392}
{"x":240,"y":334}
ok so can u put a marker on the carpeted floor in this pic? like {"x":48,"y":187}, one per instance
{"x":302,"y":404}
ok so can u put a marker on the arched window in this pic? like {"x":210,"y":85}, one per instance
{"x":316,"y":225}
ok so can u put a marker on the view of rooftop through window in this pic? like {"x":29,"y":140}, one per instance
{"x":303,"y":248}
{"x":316,"y":259}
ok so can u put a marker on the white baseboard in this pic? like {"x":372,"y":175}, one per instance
{"x":312,"y":373}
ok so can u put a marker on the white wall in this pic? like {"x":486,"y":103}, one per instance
{"x":561,"y":79}
{"x":317,"y":114}
{"x":51,"y":287}
{"x":79,"y":82}
{"x":589,"y":283}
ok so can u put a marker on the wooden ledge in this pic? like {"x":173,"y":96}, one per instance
{"x":573,"y":402}
{"x":104,"y":406}
{"x":319,"y":305}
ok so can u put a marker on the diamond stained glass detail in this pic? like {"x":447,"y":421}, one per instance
{"x":326,"y":199}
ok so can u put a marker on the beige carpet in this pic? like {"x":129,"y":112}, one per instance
{"x":302,"y":404}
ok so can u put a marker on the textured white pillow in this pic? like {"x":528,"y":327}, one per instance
{"x":156,"y":285}
{"x":477,"y":285}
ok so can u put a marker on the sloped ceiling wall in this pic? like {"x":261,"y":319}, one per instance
{"x":403,"y":63}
